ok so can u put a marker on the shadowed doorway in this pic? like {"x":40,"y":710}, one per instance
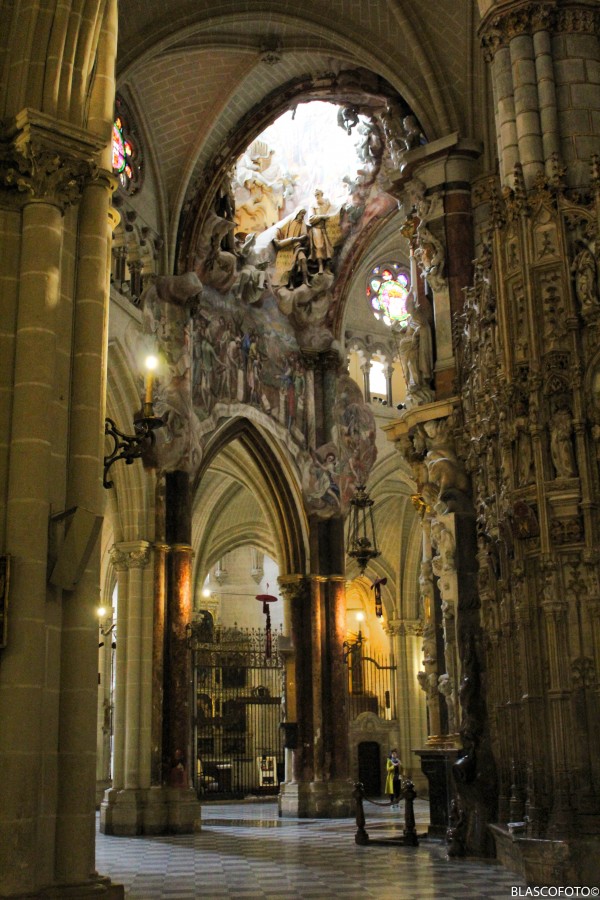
{"x":369,"y":767}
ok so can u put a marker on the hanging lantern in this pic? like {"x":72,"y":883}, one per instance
{"x":376,"y":587}
{"x":362,"y":542}
{"x":265,"y":599}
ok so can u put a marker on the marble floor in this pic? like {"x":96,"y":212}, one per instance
{"x":245,"y":851}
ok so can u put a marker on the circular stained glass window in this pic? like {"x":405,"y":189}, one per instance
{"x":126,"y":156}
{"x":387,"y":290}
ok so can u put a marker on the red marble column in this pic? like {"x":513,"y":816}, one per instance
{"x":335,"y":701}
{"x":177,"y":732}
{"x":302,"y":765}
{"x":178,"y":669}
{"x":317,"y":593}
{"x":459,"y":244}
{"x":158,"y":656}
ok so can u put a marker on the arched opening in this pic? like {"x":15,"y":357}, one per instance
{"x":248,"y":528}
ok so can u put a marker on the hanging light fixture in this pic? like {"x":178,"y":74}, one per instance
{"x":362,"y":542}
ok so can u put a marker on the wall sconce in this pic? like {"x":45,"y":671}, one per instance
{"x":362,"y":542}
{"x":132,"y":446}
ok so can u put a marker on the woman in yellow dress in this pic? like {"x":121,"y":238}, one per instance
{"x":393,"y":780}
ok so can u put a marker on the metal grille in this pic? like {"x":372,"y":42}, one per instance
{"x":238,"y":689}
{"x":370,"y":684}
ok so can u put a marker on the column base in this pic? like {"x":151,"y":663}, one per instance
{"x":99,"y":888}
{"x":548,"y":862}
{"x":436,"y":763}
{"x":156,"y":810}
{"x":317,"y":800}
{"x":101,"y":788}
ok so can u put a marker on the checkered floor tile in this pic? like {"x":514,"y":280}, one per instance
{"x":244,"y":851}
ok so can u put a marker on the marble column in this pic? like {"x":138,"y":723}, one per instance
{"x":158,"y":654}
{"x":183,"y":808}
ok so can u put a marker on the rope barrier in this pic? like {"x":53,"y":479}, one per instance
{"x":409,"y":837}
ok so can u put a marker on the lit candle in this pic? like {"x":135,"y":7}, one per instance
{"x":151,"y":364}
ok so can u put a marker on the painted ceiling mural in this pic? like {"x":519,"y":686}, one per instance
{"x":246,"y":332}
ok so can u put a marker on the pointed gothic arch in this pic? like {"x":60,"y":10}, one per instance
{"x":279,"y":492}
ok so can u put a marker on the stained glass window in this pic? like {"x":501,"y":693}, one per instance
{"x":126,"y":156}
{"x":387,"y":290}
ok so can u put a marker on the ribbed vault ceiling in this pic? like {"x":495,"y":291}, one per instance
{"x":198,"y":79}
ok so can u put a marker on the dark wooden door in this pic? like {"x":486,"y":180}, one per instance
{"x":369,"y":767}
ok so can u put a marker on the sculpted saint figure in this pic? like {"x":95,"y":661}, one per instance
{"x":252,"y":276}
{"x":291,"y":241}
{"x":321,"y":248}
{"x":586,"y":277}
{"x":415,"y":345}
{"x":561,"y":445}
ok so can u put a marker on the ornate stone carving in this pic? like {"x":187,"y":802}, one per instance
{"x":131,"y":555}
{"x":416,"y":353}
{"x":48,"y":176}
{"x":443,"y":540}
{"x":167,"y":305}
{"x":44,"y":164}
{"x":561,"y":444}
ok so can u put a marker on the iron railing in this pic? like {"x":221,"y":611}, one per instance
{"x":370,"y":684}
{"x":238,"y":688}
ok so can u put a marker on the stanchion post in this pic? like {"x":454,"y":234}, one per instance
{"x":410,"y":832}
{"x":361,"y":837}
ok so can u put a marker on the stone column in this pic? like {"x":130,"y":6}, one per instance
{"x":335,"y":701}
{"x":177,"y":754}
{"x":389,"y":374}
{"x":406,"y":637}
{"x":79,"y":650}
{"x":118,"y":780}
{"x":50,"y":179}
{"x":529,"y":136}
{"x":299,"y":694}
{"x":138,"y":557}
{"x":505,"y":112}
{"x":366,"y":373}
{"x":178,"y":759}
{"x":104,"y":713}
{"x":25,"y":709}
{"x":435,"y":188}
{"x":123,"y":805}
{"x":158,"y":655}
{"x":546,"y":85}
{"x":540,"y":54}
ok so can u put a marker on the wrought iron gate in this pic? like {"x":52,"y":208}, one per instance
{"x":238,"y":687}
{"x":370,"y":682}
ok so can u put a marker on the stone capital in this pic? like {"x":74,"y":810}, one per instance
{"x":294,"y":587}
{"x":506,"y":21}
{"x":46,"y":161}
{"x":131,"y":555}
